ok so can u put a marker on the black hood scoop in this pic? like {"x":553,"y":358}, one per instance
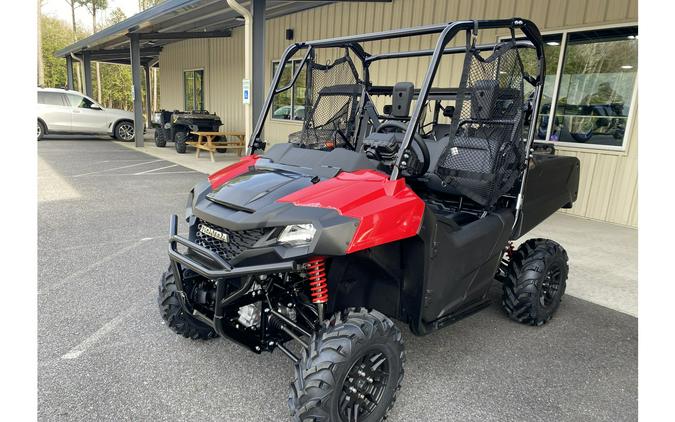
{"x":257,"y":188}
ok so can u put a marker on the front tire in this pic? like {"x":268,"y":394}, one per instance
{"x":160,"y":140}
{"x":354,"y":366}
{"x":174,"y":316}
{"x":124,"y":131}
{"x":180,"y":139}
{"x":535,"y":281}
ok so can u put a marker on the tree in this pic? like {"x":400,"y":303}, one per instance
{"x":93,"y":6}
{"x":146,"y":4}
{"x":73,"y":5}
{"x":115,"y":78}
{"x":41,"y":67}
{"x":55,"y":35}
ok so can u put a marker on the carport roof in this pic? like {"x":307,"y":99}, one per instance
{"x":171,"y":21}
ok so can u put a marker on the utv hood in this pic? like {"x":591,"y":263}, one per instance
{"x":258,"y":188}
{"x":352,"y":205}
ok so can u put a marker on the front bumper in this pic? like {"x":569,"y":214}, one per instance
{"x":208,"y":264}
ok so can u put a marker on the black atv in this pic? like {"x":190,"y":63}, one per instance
{"x":176,"y":126}
{"x":318,"y":244}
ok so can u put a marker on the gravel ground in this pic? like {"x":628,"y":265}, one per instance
{"x":104,"y":353}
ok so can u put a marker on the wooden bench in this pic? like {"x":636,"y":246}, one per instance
{"x":205,"y":142}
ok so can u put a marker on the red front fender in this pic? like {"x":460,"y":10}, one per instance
{"x":387,"y":210}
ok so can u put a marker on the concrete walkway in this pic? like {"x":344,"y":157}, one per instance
{"x":603,"y":256}
{"x":603,"y":260}
{"x":202,"y":164}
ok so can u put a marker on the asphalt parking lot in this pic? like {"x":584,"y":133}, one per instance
{"x":104,"y":353}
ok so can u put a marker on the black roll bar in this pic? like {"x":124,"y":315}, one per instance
{"x":451,"y":50}
{"x":447,"y":32}
{"x":527,"y":27}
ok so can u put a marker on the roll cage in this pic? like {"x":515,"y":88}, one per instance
{"x":447,"y":32}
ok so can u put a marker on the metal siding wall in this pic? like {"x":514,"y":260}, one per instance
{"x":608,"y":189}
{"x":221,"y":59}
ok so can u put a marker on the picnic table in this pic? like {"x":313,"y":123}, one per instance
{"x":205,"y":142}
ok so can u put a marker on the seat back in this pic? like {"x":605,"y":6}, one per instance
{"x":331,"y":99}
{"x":401,"y":99}
{"x":485,"y":152}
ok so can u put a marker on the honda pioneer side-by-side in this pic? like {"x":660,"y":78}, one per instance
{"x":394,"y":202}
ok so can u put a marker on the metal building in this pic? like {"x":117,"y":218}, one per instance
{"x":590,"y":107}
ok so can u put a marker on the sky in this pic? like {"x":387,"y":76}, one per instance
{"x":60,"y":9}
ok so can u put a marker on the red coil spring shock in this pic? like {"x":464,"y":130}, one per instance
{"x":316,"y":273}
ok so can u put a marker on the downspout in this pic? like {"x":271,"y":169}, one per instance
{"x":151,"y":66}
{"x":81,"y":67}
{"x":248,"y":42}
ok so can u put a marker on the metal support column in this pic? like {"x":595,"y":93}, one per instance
{"x":86,"y":61}
{"x":136,"y":88}
{"x":148,"y":98}
{"x":258,"y":76}
{"x":69,"y":73}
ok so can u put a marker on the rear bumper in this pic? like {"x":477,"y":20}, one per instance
{"x":212,"y":266}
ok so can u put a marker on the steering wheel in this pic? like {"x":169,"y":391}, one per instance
{"x":390,"y":126}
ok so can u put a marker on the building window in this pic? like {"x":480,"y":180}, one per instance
{"x":590,"y":76}
{"x":193,"y":89}
{"x":290,"y":104}
{"x":596,"y":87}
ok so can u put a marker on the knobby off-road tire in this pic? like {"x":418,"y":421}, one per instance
{"x":179,"y":140}
{"x":160,"y":140}
{"x":535,"y":281}
{"x":349,"y":357}
{"x":172,"y":312}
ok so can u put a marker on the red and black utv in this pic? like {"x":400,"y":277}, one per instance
{"x":376,"y":211}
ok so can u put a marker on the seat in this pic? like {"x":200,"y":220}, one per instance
{"x":485,"y":151}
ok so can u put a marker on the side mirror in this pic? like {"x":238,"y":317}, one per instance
{"x":449,"y":111}
{"x":95,"y":107}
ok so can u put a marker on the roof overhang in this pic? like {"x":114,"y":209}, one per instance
{"x":171,"y":21}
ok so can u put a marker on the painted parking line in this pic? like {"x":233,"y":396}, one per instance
{"x":166,"y":172}
{"x":91,"y":266}
{"x":153,"y":170}
{"x":113,"y":242}
{"x":117,"y":168}
{"x":76,"y":351}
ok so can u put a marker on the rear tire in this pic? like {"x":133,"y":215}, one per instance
{"x":160,"y":140}
{"x":535,"y":281}
{"x":354,"y":364}
{"x":179,"y":140}
{"x":41,"y":130}
{"x":174,"y":316}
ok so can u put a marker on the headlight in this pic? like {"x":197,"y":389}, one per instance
{"x":156,"y":118}
{"x":297,"y":235}
{"x":188,"y":206}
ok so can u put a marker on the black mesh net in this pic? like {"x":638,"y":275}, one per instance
{"x":486,"y":152}
{"x":332,"y":96}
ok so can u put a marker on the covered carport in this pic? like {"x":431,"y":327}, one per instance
{"x":138,"y":41}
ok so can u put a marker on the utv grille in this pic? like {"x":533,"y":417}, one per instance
{"x":237,"y":240}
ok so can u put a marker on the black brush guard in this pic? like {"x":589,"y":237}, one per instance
{"x":208,"y":264}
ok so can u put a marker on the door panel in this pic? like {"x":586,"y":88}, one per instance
{"x":463,"y":263}
{"x":86,"y":119}
{"x":55,"y":111}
